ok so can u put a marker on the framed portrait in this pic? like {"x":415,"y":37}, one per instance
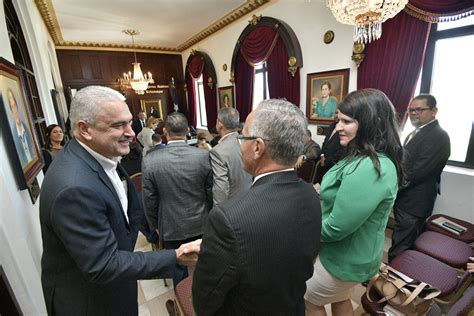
{"x":226,"y":97}
{"x":152,"y":108}
{"x":325,"y":90}
{"x":17,"y":127}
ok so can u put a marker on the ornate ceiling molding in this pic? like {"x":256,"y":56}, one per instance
{"x":49,"y":17}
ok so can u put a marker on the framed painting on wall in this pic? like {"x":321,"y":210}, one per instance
{"x":325,"y":90}
{"x":17,"y":126}
{"x":226,"y":96}
{"x":152,"y":108}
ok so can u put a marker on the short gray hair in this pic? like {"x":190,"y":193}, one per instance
{"x":87,"y":103}
{"x":229,"y":117}
{"x":283,"y":126}
{"x":176,"y":124}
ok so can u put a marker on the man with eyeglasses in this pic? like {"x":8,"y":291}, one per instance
{"x":258,"y":248}
{"x":427,"y":150}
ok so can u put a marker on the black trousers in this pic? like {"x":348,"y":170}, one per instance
{"x":407,"y":228}
{"x":180,"y":272}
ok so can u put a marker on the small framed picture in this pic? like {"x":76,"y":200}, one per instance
{"x":226,"y":97}
{"x":152,"y":108}
{"x":17,"y":126}
{"x":325,"y":90}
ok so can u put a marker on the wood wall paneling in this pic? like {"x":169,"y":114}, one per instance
{"x":80,"y":68}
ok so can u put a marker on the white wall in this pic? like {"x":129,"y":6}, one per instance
{"x":309,"y":21}
{"x":20,"y":234}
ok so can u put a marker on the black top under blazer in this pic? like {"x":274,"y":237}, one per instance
{"x":88,"y":264}
{"x":258,"y":250}
{"x":426,"y":155}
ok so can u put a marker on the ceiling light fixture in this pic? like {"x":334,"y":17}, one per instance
{"x":366,"y":15}
{"x":139,"y":82}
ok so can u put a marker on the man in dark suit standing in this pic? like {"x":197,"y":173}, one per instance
{"x":90,"y":214}
{"x":258,"y":248}
{"x":139,"y":123}
{"x":427,"y":150}
{"x":177,"y":188}
{"x":226,"y":159}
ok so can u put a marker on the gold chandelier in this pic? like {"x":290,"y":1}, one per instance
{"x":366,"y":15}
{"x":139,"y":82}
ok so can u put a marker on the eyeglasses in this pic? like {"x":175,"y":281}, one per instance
{"x":417,"y":110}
{"x":242,"y":138}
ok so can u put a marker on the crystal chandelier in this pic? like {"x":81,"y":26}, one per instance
{"x":366,"y":15}
{"x":139,"y":82}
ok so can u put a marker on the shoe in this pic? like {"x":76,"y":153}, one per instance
{"x":171,"y":308}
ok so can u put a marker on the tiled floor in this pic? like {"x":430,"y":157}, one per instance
{"x":152,"y":294}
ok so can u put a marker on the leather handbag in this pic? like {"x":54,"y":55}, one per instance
{"x":405,"y":294}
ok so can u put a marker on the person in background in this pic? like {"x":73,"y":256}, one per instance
{"x":258,"y":248}
{"x":311,"y":150}
{"x":427,"y":150}
{"x":202,"y":141}
{"x":177,"y":189}
{"x":215,"y":137}
{"x":226,"y":159}
{"x":54,"y":144}
{"x":145,"y":135}
{"x":157,"y":143}
{"x":139,"y":123}
{"x":357,"y":195}
{"x":90,"y":215}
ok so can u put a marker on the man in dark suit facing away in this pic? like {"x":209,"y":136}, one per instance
{"x":90,"y":214}
{"x":177,"y":188}
{"x":258,"y":248}
{"x":427,"y":150}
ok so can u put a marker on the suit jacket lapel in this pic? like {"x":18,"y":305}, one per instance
{"x":94,"y":165}
{"x":417,"y":140}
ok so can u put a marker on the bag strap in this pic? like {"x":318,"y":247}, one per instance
{"x":415,"y":293}
{"x":369,"y":288}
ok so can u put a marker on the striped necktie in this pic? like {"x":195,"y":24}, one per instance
{"x":410,"y":136}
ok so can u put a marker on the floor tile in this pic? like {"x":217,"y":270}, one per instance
{"x":157,"y":306}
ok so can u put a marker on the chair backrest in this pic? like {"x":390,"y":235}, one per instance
{"x":137,"y":181}
{"x":318,"y":173}
{"x":306,"y":170}
{"x":183,"y":295}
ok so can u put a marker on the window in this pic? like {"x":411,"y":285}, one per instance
{"x":200,"y":104}
{"x":260,"y":86}
{"x":446,"y":74}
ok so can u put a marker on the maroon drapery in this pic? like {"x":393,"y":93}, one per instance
{"x":244,"y":76}
{"x":210,"y":95}
{"x":258,"y":44}
{"x":280,"y":81}
{"x":439,"y":11}
{"x":196,"y":68}
{"x":393,"y":63}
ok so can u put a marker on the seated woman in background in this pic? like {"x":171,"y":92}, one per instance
{"x":54,"y":143}
{"x":202,"y":141}
{"x":144,"y":137}
{"x":357,"y":195}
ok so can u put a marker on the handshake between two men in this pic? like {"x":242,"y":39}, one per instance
{"x":187,"y":254}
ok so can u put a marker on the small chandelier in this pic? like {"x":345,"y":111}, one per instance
{"x":366,"y":15}
{"x":139,"y":82}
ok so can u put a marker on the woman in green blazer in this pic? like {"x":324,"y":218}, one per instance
{"x":357,"y":195}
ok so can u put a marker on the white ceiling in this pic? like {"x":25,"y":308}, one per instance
{"x":161,"y":23}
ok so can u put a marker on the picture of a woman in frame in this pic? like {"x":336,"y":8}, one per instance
{"x":226,"y":101}
{"x":326,"y":105}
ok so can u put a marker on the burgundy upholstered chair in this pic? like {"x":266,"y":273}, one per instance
{"x":444,"y":248}
{"x":467,"y":237}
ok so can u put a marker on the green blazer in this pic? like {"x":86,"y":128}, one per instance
{"x":355,"y":205}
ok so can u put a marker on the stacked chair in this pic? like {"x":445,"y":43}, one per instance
{"x":439,"y":258}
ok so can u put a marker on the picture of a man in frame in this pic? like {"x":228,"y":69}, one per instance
{"x":20,"y":131}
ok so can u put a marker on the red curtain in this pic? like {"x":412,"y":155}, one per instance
{"x":210,"y":95}
{"x":393,"y":63}
{"x":280,"y":81}
{"x":196,"y":68}
{"x":439,"y":11}
{"x":244,"y":75}
{"x":258,"y":44}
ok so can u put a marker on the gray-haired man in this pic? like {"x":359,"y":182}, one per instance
{"x":226,"y":159}
{"x":258,"y":248}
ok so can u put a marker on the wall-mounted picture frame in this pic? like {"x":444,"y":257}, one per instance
{"x":325,"y":90}
{"x":152,"y":107}
{"x":17,"y":127}
{"x":226,"y":96}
